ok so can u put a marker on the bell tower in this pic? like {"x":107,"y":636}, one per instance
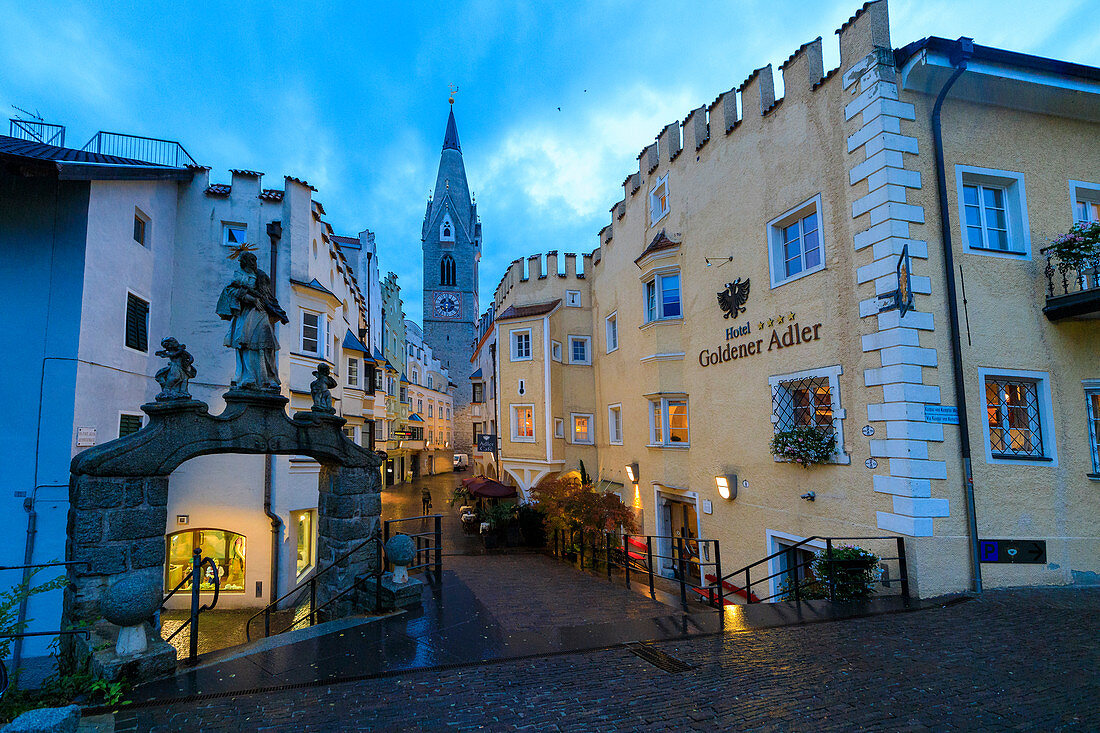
{"x":451,"y":247}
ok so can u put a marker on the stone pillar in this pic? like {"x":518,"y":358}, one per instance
{"x":349,"y":511}
{"x":116,"y":526}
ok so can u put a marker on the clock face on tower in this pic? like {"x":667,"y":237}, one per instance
{"x":446,"y":305}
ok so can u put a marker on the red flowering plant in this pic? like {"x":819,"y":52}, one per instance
{"x":804,"y":446}
{"x":1079,"y":248}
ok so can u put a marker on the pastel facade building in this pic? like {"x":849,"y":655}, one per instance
{"x":431,"y":407}
{"x":122,"y":253}
{"x":748,"y":283}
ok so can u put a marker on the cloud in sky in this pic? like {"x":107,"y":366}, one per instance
{"x":353,"y":97}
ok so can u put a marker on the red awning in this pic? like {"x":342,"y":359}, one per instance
{"x":487,"y":488}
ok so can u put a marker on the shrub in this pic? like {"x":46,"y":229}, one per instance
{"x":854,"y":576}
{"x":805,"y":446}
{"x":573,"y":506}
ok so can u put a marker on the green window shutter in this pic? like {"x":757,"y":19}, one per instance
{"x":137,"y":323}
{"x":128,"y":424}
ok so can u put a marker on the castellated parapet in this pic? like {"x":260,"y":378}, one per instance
{"x":803,"y":74}
{"x":531,"y":274}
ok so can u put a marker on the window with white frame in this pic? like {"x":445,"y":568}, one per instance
{"x":311,"y":333}
{"x":416,"y":377}
{"x":611,"y":332}
{"x":521,"y":344}
{"x":1085,"y":198}
{"x":1092,"y":406}
{"x":668,"y":421}
{"x":523,"y":423}
{"x":993,"y":206}
{"x":795,"y":244}
{"x":1018,"y":416}
{"x":580,"y":351}
{"x":615,"y":424}
{"x":431,"y":409}
{"x":573,"y":298}
{"x":420,"y":406}
{"x":810,"y":399}
{"x":662,"y":297}
{"x":378,"y":377}
{"x":234,"y":235}
{"x":431,"y":382}
{"x":658,"y":200}
{"x":584,"y":432}
{"x":353,"y":372}
{"x":555,"y":350}
{"x":559,"y":427}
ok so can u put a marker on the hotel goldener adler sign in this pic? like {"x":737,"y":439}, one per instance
{"x":732,"y":301}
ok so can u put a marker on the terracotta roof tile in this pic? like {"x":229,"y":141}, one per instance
{"x":660,"y":242}
{"x":242,"y":172}
{"x":271,"y":194}
{"x":528,"y":311}
{"x":218,"y":189}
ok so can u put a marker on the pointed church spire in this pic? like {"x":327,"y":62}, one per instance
{"x":450,"y":140}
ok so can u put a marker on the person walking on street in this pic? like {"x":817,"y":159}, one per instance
{"x":426,"y":499}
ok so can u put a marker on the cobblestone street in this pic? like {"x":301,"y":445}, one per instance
{"x":1019,"y":660}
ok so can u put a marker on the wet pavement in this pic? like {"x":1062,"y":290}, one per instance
{"x":404,"y":500}
{"x":1009,"y":660}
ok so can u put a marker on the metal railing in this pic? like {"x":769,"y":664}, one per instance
{"x":427,"y":555}
{"x":192,"y":622}
{"x":138,"y":147}
{"x":4,"y":679}
{"x":37,"y":131}
{"x":635,"y":553}
{"x":1065,"y":280}
{"x":310,"y":585}
{"x":791,"y":586}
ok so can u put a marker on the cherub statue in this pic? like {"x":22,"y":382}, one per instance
{"x":173,"y":378}
{"x":319,"y":388}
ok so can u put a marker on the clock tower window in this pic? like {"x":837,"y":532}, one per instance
{"x":447,"y":270}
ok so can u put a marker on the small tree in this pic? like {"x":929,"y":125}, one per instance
{"x":573,"y":505}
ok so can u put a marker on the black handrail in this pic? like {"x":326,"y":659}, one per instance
{"x":681,"y":556}
{"x":192,"y":622}
{"x":793,"y":567}
{"x":311,"y":584}
{"x":24,"y":634}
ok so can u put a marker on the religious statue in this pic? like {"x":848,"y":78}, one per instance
{"x":173,"y":378}
{"x":319,"y":388}
{"x":249,"y":304}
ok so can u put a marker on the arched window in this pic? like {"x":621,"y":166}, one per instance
{"x":447,"y":270}
{"x":446,"y":229}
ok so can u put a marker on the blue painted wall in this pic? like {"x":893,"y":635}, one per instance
{"x":43,"y":229}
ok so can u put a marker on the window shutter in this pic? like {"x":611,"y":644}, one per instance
{"x":137,"y":323}
{"x":128,"y":425}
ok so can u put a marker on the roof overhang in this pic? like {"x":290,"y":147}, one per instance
{"x":1003,"y":79}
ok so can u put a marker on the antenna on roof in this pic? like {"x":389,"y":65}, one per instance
{"x":34,"y":114}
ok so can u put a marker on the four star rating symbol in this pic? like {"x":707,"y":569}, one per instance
{"x":778,"y":320}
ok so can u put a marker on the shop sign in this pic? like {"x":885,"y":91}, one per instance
{"x":486,"y":442}
{"x":732,"y":300}
{"x":900,"y":299}
{"x":400,"y":434}
{"x":942,"y":414}
{"x":1013,"y":551}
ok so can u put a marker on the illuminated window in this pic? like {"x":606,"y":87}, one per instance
{"x":810,"y":399}
{"x":523,"y":423}
{"x":582,"y":429}
{"x":1092,"y":398}
{"x":668,"y":421}
{"x":302,"y":522}
{"x":226,"y":549}
{"x":1013,"y":416}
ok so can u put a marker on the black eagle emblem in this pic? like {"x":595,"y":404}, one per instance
{"x":734,"y":297}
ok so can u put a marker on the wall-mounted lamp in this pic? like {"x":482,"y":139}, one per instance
{"x":727,"y":486}
{"x":718,"y":261}
{"x":632,"y":472}
{"x":809,"y":496}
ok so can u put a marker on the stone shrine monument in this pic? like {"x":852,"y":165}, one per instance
{"x":118,"y":491}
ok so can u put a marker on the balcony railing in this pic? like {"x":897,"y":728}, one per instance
{"x":1071,"y":292}
{"x":147,"y":149}
{"x":37,"y":131}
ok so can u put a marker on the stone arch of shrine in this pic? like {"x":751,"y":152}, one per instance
{"x":118,"y":491}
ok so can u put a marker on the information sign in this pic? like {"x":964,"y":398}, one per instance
{"x":942,"y":414}
{"x":1013,"y":551}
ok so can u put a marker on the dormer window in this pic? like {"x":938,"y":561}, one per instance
{"x":446,"y":229}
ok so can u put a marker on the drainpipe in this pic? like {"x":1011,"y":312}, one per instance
{"x":275,"y":232}
{"x":964,"y":49}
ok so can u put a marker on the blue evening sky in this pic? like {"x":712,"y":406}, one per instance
{"x":555,"y":99}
